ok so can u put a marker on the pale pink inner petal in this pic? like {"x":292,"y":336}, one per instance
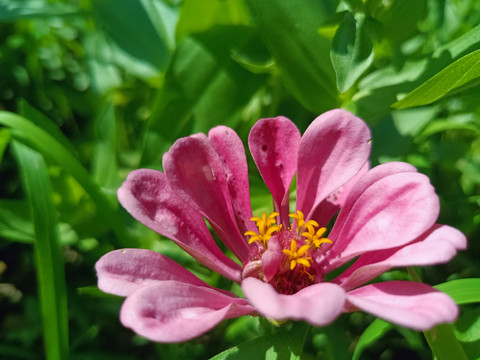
{"x":362,"y":184}
{"x":230,"y":148}
{"x":317,"y":304}
{"x":409,"y":304}
{"x":439,"y":245}
{"x":121,"y":272}
{"x":195,"y":173}
{"x":324,"y":211}
{"x":148,"y":198}
{"x":391,"y":212}
{"x":332,"y":150}
{"x":172,"y":311}
{"x":273,"y":143}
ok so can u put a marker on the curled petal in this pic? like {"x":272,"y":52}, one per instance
{"x":391,"y":212}
{"x":273,"y":143}
{"x":230,"y":148}
{"x":332,"y":150}
{"x":195,"y":173}
{"x":317,"y":304}
{"x":148,"y":198}
{"x":172,"y":311}
{"x":439,"y":245}
{"x":121,"y":272}
{"x":409,"y":304}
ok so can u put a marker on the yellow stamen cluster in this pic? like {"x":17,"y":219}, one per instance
{"x":314,"y":237}
{"x":267,"y":226}
{"x":297,"y":256}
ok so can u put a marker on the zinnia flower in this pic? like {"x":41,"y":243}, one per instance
{"x":383,"y":218}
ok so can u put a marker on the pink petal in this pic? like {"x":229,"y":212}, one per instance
{"x":273,"y":143}
{"x":439,"y":245}
{"x":195,"y":173}
{"x":121,"y":272}
{"x":324,"y":211}
{"x":362,"y":184}
{"x":391,"y":212}
{"x":148,"y":198}
{"x":332,"y":150}
{"x":409,"y":304}
{"x":230,"y":148}
{"x":172,"y":311}
{"x":317,"y":304}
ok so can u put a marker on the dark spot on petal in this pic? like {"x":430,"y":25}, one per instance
{"x":264,"y":147}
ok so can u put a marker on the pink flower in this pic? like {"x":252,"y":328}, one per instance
{"x":386,"y":219}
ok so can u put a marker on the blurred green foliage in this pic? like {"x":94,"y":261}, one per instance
{"x":104,"y":87}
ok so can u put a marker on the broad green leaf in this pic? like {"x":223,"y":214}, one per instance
{"x":11,"y":10}
{"x":49,"y":264}
{"x":352,"y":50}
{"x":399,"y":18}
{"x":461,"y":72}
{"x":462,"y":291}
{"x":444,"y":344}
{"x":302,"y":55}
{"x":371,"y":334}
{"x":283,"y":344}
{"x":198,"y":16}
{"x":129,"y":25}
{"x":203,"y":87}
{"x":37,"y":138}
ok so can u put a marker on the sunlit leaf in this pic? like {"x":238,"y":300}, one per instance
{"x":283,"y":344}
{"x":461,"y":72}
{"x":302,"y":55}
{"x":352,"y":50}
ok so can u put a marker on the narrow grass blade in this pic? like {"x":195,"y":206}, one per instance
{"x":50,"y":272}
{"x":30,"y":134}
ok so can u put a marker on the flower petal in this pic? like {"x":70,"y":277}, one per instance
{"x":317,"y":304}
{"x":410,"y":304}
{"x":391,"y":212}
{"x":195,"y":173}
{"x":324,"y":211}
{"x":148,"y":198}
{"x":439,"y":245}
{"x":362,"y":184}
{"x":230,"y":148}
{"x":121,"y":272}
{"x":332,"y":150}
{"x":273,"y":143}
{"x":172,"y":311}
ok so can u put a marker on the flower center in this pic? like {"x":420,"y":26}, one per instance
{"x":294,"y":250}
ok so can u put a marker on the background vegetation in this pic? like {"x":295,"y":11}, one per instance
{"x":102,"y":87}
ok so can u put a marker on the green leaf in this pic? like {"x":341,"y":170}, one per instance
{"x":461,"y":72}
{"x":198,"y":16}
{"x":104,"y":157}
{"x":352,"y":50}
{"x":444,"y":344}
{"x":462,"y":291}
{"x":371,"y":334}
{"x":49,"y":265}
{"x":130,"y":26}
{"x":201,"y":89}
{"x":302,"y":55}
{"x":12,"y":10}
{"x":37,"y":138}
{"x":283,"y":344}
{"x":399,"y":18}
